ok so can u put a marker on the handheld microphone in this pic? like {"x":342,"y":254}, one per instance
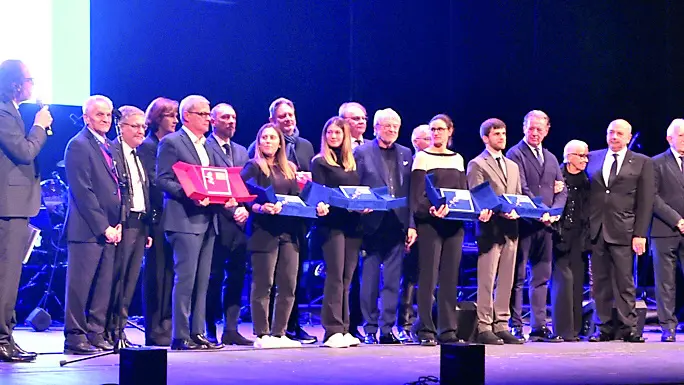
{"x":48,"y":129}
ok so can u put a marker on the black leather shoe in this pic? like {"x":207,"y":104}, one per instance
{"x":370,"y":339}
{"x":101,"y":343}
{"x":489,"y":338}
{"x":81,"y":349}
{"x":389,"y":339}
{"x":428,"y":342}
{"x":302,"y":336}
{"x":404,"y":336}
{"x":7,"y":354}
{"x":517,"y":332}
{"x":571,"y":339}
{"x":600,"y":337}
{"x":18,"y":348}
{"x":212,"y":339}
{"x":233,"y":337}
{"x":508,"y":338}
{"x":186,"y":345}
{"x":669,"y":335}
{"x":201,"y":339}
{"x":634,"y":338}
{"x":544,"y":334}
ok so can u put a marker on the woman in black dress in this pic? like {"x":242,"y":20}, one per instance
{"x":440,"y":241}
{"x":272,"y":240}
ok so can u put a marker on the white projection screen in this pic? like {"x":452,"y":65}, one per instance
{"x":53,"y":38}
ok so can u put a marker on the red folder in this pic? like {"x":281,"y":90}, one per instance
{"x":219,"y":184}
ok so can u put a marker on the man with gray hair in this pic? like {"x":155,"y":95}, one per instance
{"x":93,"y":229}
{"x":190,"y":225}
{"x":420,"y":137}
{"x":667,"y":227}
{"x":355,"y":114}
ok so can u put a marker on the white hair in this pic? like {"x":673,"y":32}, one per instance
{"x":418,"y":130}
{"x":386,"y":114}
{"x":673,"y":126}
{"x":128,"y":111}
{"x":346,"y":106}
{"x":536,"y":114}
{"x":189,"y":102}
{"x":572,"y":146}
{"x":95,"y":99}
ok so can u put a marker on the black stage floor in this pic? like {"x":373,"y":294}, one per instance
{"x":533,"y":363}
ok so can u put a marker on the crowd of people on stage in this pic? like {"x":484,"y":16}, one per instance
{"x":128,"y":215}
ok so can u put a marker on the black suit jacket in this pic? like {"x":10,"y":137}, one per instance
{"x":94,"y":202}
{"x":622,"y":210}
{"x":230,"y":233}
{"x":304,"y":152}
{"x":668,"y":208}
{"x":147,"y":152}
{"x":122,"y":172}
{"x":19,"y":176}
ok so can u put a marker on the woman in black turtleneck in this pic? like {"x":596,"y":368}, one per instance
{"x":338,"y":232}
{"x":272,"y":239}
{"x":440,"y":241}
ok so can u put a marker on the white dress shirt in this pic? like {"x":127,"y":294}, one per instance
{"x":608,"y":162}
{"x":199,"y":146}
{"x":137,"y":184}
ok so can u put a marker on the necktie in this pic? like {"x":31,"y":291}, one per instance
{"x":358,"y":142}
{"x":613,"y":170}
{"x":499,"y":161}
{"x":537,"y":153}
{"x":229,"y":154}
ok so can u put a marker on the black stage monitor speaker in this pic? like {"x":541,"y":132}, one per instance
{"x":462,"y":364}
{"x":142,"y":366}
{"x":39,"y":319}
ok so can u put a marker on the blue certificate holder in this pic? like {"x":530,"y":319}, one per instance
{"x":463,"y":205}
{"x":357,"y":198}
{"x":292,"y":205}
{"x":527,"y":207}
{"x":391,"y":202}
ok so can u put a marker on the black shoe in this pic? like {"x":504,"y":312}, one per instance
{"x":81,"y":349}
{"x":158,"y":341}
{"x":18,"y":348}
{"x":302,"y":336}
{"x":389,"y":339}
{"x":517,"y":332}
{"x":7,"y":354}
{"x":634,"y":338}
{"x":404,"y":336}
{"x":101,"y":343}
{"x":669,"y":335}
{"x":508,"y":338}
{"x":489,"y":338}
{"x":370,"y":339}
{"x":571,"y":339}
{"x":428,"y":342}
{"x":544,"y":334}
{"x":178,"y":344}
{"x":212,"y":339}
{"x":600,"y":337}
{"x":201,"y":339}
{"x":233,"y":337}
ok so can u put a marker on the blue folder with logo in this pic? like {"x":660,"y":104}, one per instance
{"x":463,"y":204}
{"x":527,"y":207}
{"x":292,"y":205}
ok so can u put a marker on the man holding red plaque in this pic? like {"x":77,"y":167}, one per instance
{"x":189,"y":225}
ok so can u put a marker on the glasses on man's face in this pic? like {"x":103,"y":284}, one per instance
{"x":427,"y":138}
{"x":358,"y":118}
{"x":135,"y":126}
{"x":581,"y":156}
{"x":200,"y":114}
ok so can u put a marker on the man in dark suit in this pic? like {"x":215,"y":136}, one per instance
{"x":667,"y":226}
{"x":19,"y":193}
{"x":93,"y":228}
{"x":190,"y":226}
{"x":135,"y":236}
{"x":161,"y":118}
{"x":355,"y":114}
{"x":497,"y":239}
{"x":229,"y":264}
{"x":621,"y":204}
{"x":387,"y":235}
{"x":540,"y":176}
{"x":300,"y":152}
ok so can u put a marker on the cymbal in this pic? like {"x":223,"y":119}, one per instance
{"x":60,"y":164}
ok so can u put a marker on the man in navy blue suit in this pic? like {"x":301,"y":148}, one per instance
{"x":540,"y":176}
{"x":229,"y":264}
{"x":93,"y":228}
{"x":387,"y":235}
{"x":190,"y":226}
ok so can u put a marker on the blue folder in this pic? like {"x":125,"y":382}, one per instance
{"x":527,"y":207}
{"x":293,"y":206}
{"x":463,"y":205}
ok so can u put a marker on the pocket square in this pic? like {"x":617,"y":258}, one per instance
{"x":406,"y":163}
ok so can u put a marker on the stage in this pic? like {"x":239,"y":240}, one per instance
{"x":533,"y":363}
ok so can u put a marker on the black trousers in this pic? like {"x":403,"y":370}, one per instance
{"x":127,"y":264}
{"x":409,"y":280}
{"x":385,"y":257}
{"x":88,"y":290}
{"x":440,"y":247}
{"x":227,"y":279}
{"x":341,"y":253}
{"x":666,"y":252}
{"x":157,"y":286}
{"x":280,"y":267}
{"x":304,"y":255}
{"x":567,"y":289}
{"x":14,"y":235}
{"x":355,"y":314}
{"x":535,"y":249}
{"x":192,"y":264}
{"x":612,"y":268}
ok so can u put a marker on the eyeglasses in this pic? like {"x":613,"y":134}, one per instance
{"x":425,"y":138}
{"x":135,"y":126}
{"x":201,"y":114}
{"x":582,"y":156}
{"x":438,"y":129}
{"x":358,"y":118}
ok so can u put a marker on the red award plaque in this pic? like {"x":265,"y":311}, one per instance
{"x":219,"y":184}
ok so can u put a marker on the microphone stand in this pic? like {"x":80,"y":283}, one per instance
{"x":124,"y":188}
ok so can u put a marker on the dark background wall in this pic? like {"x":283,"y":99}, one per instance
{"x":584,"y":62}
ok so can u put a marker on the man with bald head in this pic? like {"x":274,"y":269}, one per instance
{"x":570,"y":241}
{"x":621,"y":203}
{"x":667,"y":226}
{"x":229,"y":264}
